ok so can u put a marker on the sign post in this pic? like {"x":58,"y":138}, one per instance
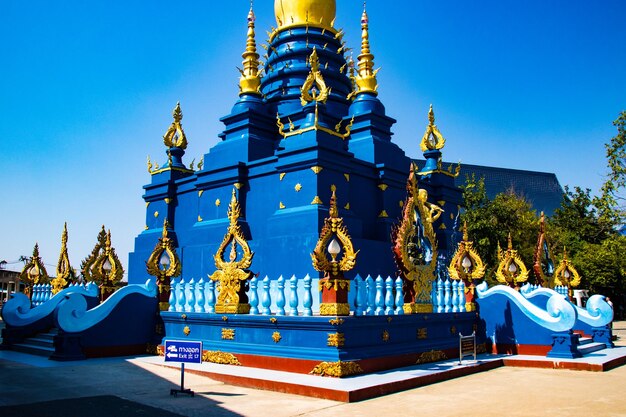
{"x":467,"y":346}
{"x":183,"y":351}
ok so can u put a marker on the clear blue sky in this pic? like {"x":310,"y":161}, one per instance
{"x":87,"y":89}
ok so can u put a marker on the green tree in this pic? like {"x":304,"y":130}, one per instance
{"x":611,"y":200}
{"x":489,"y":223}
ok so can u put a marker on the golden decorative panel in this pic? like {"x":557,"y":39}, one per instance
{"x":316,"y":169}
{"x":383,"y":187}
{"x":186,"y":330}
{"x":317,"y":201}
{"x":175,"y":136}
{"x":276,"y":337}
{"x":298,"y":187}
{"x":336,"y":339}
{"x":466,"y":264}
{"x":347,"y":177}
{"x":218,"y":202}
{"x":282,"y":175}
{"x":337,"y":369}
{"x":385,"y":336}
{"x":221,"y":358}
{"x":422,"y":333}
{"x":228,"y":334}
{"x":511,"y":270}
{"x":383,"y":214}
{"x":336,"y":322}
{"x":432,"y":356}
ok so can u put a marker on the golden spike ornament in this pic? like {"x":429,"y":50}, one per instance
{"x":314,"y":87}
{"x":511,"y":270}
{"x":250,"y":81}
{"x":334,"y":239}
{"x":164,"y":264}
{"x":87,"y":265}
{"x":234,"y":272}
{"x":108,"y":270}
{"x":175,"y":136}
{"x":366,"y":74}
{"x":34,"y":271}
{"x":566,"y":275}
{"x":466,"y":265}
{"x":415,"y":246}
{"x":432,"y":139}
{"x":543,"y":266}
{"x":64,"y":269}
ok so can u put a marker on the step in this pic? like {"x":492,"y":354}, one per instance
{"x":584,"y":340}
{"x":590,"y":348}
{"x":39,"y":341}
{"x":33,"y":349}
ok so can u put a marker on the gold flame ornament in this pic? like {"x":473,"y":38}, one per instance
{"x":34,"y":271}
{"x":314,"y":87}
{"x":164,"y":264}
{"x":543,"y":266}
{"x":467,"y":266}
{"x":231,"y":274}
{"x":64,"y":270}
{"x":250,"y":82}
{"x":175,"y":135}
{"x":511,"y":270}
{"x":107,"y":270}
{"x":366,"y":81}
{"x":432,"y":139}
{"x":415,"y":246}
{"x":334,"y":239}
{"x":566,"y":275}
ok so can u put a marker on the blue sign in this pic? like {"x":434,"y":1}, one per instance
{"x":183,"y":351}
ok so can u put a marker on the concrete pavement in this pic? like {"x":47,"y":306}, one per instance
{"x":131,"y":387}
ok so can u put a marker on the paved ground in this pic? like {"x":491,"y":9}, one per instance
{"x":135,"y":388}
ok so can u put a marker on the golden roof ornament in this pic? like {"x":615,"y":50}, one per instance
{"x":566,"y":275}
{"x":250,"y":81}
{"x":334,"y":239}
{"x":233,"y":272}
{"x":466,"y":264}
{"x":64,"y":270}
{"x":309,"y":13}
{"x":543,"y":266}
{"x":432,"y":139}
{"x":175,"y":136}
{"x":164,"y":264}
{"x":415,"y":246}
{"x":86,"y":266}
{"x":34,"y":271}
{"x":314,"y":87}
{"x":107,"y":269}
{"x":366,"y":74}
{"x":511,"y":270}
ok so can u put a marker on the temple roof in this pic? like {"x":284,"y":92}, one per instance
{"x":541,"y":189}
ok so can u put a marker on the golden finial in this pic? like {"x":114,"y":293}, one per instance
{"x":510,"y":242}
{"x":542,"y":223}
{"x":175,"y":136}
{"x":432,"y":139}
{"x":366,"y":78}
{"x":465,"y":235}
{"x":250,"y":82}
{"x":165,"y":226}
{"x":63,"y":266}
{"x":333,"y":211}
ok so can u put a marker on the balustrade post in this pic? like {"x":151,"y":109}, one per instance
{"x":280,"y":299}
{"x":266,"y":300}
{"x":199,"y":305}
{"x":462,"y":307}
{"x":389,"y":299}
{"x":455,"y":296}
{"x":380,"y":297}
{"x":399,"y":296}
{"x":180,"y":296}
{"x":440,"y":307}
{"x":293,"y":296}
{"x":359,"y":299}
{"x":254,"y":297}
{"x":172,"y":299}
{"x":210,"y":297}
{"x":190,"y":296}
{"x":371,"y":296}
{"x":308,"y":297}
{"x":446,"y":296}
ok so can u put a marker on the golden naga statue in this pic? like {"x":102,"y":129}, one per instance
{"x":415,"y":246}
{"x":511,"y":270}
{"x":543,"y":266}
{"x":231,"y":274}
{"x":164,"y":264}
{"x":64,"y":270}
{"x":466,"y":265}
{"x":333,"y":239}
{"x":34,"y":272}
{"x":566,"y":275}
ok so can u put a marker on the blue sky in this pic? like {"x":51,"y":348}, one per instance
{"x":87,"y":89}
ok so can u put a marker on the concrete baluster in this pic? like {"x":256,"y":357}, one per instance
{"x":172,"y":300}
{"x":293,"y":296}
{"x":455,"y":296}
{"x":308,"y":297}
{"x":371,"y":296}
{"x":280,"y":299}
{"x":210,"y":297}
{"x":266,"y":300}
{"x":462,"y":308}
{"x":389,"y":299}
{"x":180,"y":295}
{"x":440,"y":307}
{"x":359,"y":299}
{"x":190,"y":296}
{"x":399,"y":296}
{"x":446,"y":297}
{"x":254,"y":296}
{"x":199,"y":305}
{"x":379,"y":299}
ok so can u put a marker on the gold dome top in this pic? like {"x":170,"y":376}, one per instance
{"x":317,"y":13}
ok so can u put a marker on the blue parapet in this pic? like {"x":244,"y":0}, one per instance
{"x":124,"y":324}
{"x":515,"y":325}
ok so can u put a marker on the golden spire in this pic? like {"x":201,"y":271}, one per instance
{"x":432,"y":139}
{"x":366,"y":79}
{"x":250,"y":82}
{"x":465,"y":235}
{"x":175,"y":136}
{"x":63,"y":266}
{"x":312,"y":13}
